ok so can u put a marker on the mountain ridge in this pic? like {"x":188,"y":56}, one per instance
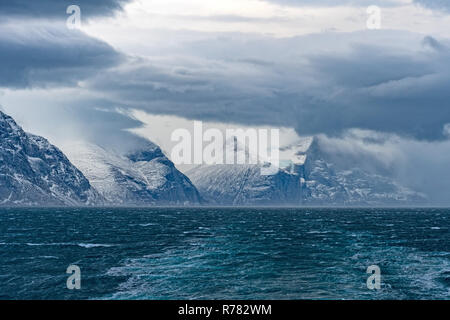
{"x":141,"y":177}
{"x":305,"y":178}
{"x":35,"y":172}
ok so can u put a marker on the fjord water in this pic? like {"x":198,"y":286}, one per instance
{"x":224,"y":253}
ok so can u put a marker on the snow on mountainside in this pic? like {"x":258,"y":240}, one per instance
{"x":325,"y":184}
{"x":34,"y":172}
{"x":142,"y":177}
{"x":306,"y":178}
{"x":244,"y":185}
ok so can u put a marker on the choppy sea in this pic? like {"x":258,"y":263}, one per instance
{"x":224,"y":253}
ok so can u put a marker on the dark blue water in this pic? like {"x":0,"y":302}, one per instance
{"x":224,"y":253}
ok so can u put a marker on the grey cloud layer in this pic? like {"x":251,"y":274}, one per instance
{"x":57,"y":8}
{"x":37,"y":50}
{"x":50,"y":55}
{"x":326,"y":83}
{"x":385,"y":81}
{"x":352,"y":82}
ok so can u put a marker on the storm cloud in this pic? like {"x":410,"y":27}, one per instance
{"x":377,"y":98}
{"x":401,"y":88}
{"x":57,"y":8}
{"x":46,"y":55}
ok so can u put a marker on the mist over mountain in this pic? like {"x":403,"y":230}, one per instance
{"x":326,"y":183}
{"x":34,"y":172}
{"x":309,"y":179}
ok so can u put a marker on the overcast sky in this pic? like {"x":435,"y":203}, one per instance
{"x":380,"y":97}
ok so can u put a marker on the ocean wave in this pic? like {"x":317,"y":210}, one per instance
{"x":83,"y":245}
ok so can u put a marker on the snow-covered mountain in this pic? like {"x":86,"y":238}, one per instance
{"x":34,"y":172}
{"x":306,"y":178}
{"x":325,"y":184}
{"x":244,"y":185}
{"x":142,"y":177}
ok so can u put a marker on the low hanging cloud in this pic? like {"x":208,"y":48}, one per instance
{"x":391,"y":82}
{"x":387,"y":81}
{"x":381,"y":85}
{"x":47,"y":55}
{"x":419,"y":165}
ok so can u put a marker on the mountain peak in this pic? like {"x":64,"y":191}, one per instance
{"x":142,"y":177}
{"x":8,"y":124}
{"x":146,"y":152}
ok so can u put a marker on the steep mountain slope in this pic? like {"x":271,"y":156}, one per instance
{"x":34,"y":172}
{"x":142,"y":177}
{"x":244,"y":185}
{"x":324,"y":184}
{"x":306,"y":178}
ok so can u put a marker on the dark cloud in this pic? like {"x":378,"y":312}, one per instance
{"x":57,"y":8}
{"x":50,"y":55}
{"x":384,"y":91}
{"x":433,"y":44}
{"x":392,"y":83}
